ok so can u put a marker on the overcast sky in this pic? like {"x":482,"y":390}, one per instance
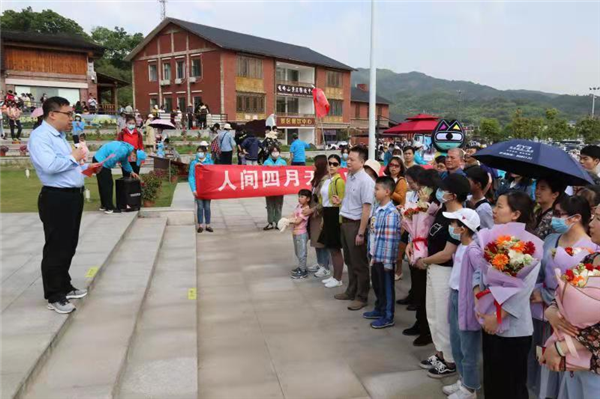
{"x":536,"y":45}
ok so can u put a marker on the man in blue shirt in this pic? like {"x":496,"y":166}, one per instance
{"x":298,"y":151}
{"x":60,"y":203}
{"x":227,"y":144}
{"x":113,"y":153}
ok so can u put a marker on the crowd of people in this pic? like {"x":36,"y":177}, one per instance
{"x":358,"y":222}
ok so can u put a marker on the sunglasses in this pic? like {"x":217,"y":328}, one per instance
{"x":334,"y":164}
{"x":394,"y":165}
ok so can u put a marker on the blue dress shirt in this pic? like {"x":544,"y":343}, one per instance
{"x":51,"y":156}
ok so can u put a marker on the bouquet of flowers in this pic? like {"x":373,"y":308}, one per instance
{"x":511,"y":254}
{"x":578,"y":298}
{"x":563,"y":259}
{"x":416,"y":220}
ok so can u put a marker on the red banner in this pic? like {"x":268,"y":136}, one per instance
{"x":241,"y":181}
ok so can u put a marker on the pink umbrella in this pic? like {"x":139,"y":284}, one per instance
{"x":39,"y":111}
{"x":162,"y":123}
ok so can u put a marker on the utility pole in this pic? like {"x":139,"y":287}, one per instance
{"x":593,"y":90}
{"x":163,"y":9}
{"x":372,"y":88}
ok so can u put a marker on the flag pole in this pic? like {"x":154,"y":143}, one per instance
{"x":372,"y":88}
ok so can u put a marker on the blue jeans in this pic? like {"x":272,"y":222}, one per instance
{"x":323,"y":257}
{"x":203,"y":210}
{"x":300,"y":248}
{"x":466,"y":347}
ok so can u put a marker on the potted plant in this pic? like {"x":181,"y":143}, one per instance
{"x":150,"y":188}
{"x":174,"y":173}
{"x":3,"y":150}
{"x":23,"y":150}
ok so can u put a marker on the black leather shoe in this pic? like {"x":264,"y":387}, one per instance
{"x":404,"y":301}
{"x":423,"y":340}
{"x":411,"y":307}
{"x":411,"y":332}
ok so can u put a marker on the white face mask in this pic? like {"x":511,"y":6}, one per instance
{"x":200,"y":155}
{"x":275,"y":155}
{"x":131,"y":127}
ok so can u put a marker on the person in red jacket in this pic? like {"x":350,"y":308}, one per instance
{"x":134,"y":137}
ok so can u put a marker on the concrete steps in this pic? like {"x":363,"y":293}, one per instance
{"x":90,"y":357}
{"x":29,"y":330}
{"x":163,"y":358}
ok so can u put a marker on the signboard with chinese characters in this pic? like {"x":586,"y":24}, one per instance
{"x":292,"y":121}
{"x":291,"y":90}
{"x":240,"y":181}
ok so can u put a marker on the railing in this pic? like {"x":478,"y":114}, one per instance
{"x":294,"y":115}
{"x":363,"y":123}
{"x":295,"y":83}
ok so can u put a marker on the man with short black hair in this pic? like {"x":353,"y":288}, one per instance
{"x":409,"y":156}
{"x":355,"y":211}
{"x":589,"y":158}
{"x":60,"y":202}
{"x":454,"y":160}
{"x":298,"y":151}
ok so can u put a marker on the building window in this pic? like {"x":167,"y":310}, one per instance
{"x":181,"y":104}
{"x":166,"y":71}
{"x":153,"y":102}
{"x":379,"y":110}
{"x":168,"y":104}
{"x":180,"y":70}
{"x":250,"y":103}
{"x":197,"y":101}
{"x":196,"y":68}
{"x":336,"y":107}
{"x":152,"y":73}
{"x":334,"y":79}
{"x":288,"y":105}
{"x":249,"y":67}
{"x":356,"y":110}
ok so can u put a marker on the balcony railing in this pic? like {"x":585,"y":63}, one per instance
{"x":363,"y":123}
{"x":295,"y":115}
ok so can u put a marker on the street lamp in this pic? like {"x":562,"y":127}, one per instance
{"x":593,"y":90}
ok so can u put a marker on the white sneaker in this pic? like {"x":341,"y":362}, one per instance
{"x":322,"y":272}
{"x":327,"y":280}
{"x":450,"y":389}
{"x":463,"y":393}
{"x":313,"y":268}
{"x":333,"y":283}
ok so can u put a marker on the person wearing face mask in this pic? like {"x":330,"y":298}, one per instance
{"x":441,"y":246}
{"x":131,"y":135}
{"x":274,"y":202}
{"x":570,"y":219}
{"x":345,"y":152}
{"x":202,"y":205}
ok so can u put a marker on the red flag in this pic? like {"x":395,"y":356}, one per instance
{"x":321,"y":103}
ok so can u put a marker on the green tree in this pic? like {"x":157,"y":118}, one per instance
{"x":46,"y":21}
{"x":556,"y":128}
{"x":118,"y":44}
{"x":489,"y":128}
{"x":589,"y":129}
{"x":522,"y":127}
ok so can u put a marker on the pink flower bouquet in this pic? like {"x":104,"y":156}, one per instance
{"x":511,"y":254}
{"x":578,"y":298}
{"x":417,"y":218}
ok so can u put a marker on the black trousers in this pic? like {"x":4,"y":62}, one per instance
{"x":226,"y":158}
{"x":134,"y":166}
{"x":505,"y":366}
{"x":418,"y":278}
{"x":105,"y":188}
{"x":383,"y":286}
{"x":60,"y":212}
{"x":12,"y":125}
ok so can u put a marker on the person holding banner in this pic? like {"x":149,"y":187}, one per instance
{"x":202,"y":205}
{"x":275,"y":202}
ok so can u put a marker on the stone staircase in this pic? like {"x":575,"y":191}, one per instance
{"x":131,"y":337}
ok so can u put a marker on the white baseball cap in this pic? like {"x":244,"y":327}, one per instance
{"x":227,"y":126}
{"x":466,"y":216}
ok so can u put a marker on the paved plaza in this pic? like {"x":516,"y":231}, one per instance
{"x":156,"y":324}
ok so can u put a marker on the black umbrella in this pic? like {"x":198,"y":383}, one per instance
{"x":531,"y":159}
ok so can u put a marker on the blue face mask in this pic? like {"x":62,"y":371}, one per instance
{"x":439,"y":194}
{"x":200,"y":155}
{"x":560,"y":225}
{"x":453,"y":234}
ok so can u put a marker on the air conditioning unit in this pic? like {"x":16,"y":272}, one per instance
{"x":178,"y":81}
{"x":192,"y":79}
{"x":165,"y":82}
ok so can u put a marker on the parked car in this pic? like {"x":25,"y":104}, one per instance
{"x":336,"y":146}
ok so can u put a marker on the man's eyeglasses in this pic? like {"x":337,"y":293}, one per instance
{"x":69,"y":114}
{"x":334,"y":164}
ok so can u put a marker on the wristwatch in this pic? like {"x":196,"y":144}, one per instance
{"x":360,"y":235}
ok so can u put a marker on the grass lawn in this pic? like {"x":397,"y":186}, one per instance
{"x":19,"y":194}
